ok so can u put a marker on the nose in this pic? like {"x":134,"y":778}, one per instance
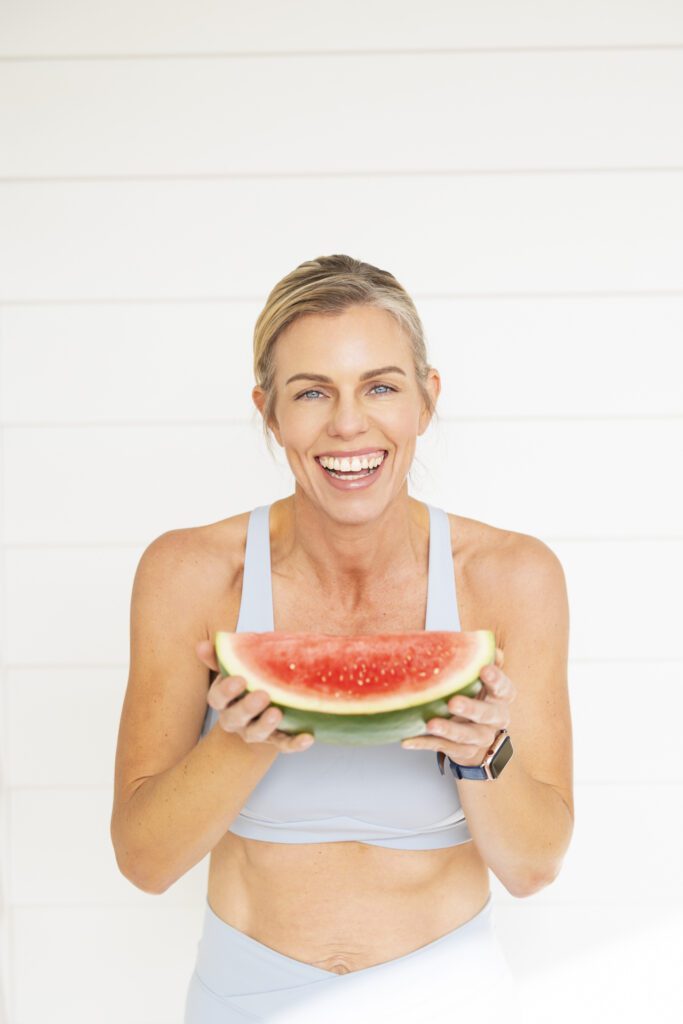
{"x":348,"y":419}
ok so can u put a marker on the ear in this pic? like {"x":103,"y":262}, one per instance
{"x":433,"y":385}
{"x":259,"y":399}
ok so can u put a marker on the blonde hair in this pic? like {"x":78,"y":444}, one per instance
{"x":331,"y":284}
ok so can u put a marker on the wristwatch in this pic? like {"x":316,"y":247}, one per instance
{"x":497,"y":756}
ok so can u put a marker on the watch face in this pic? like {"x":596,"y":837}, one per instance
{"x":501,"y":758}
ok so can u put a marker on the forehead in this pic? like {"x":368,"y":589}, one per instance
{"x":354,"y":340}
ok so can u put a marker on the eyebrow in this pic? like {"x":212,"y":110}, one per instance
{"x":364,"y":376}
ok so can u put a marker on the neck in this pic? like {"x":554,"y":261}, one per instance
{"x":353,"y":558}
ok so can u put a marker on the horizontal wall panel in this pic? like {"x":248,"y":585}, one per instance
{"x":187,"y":473}
{"x":126,"y":484}
{"x":181,"y":362}
{"x":623,"y":832}
{"x":589,"y":961}
{"x":175,"y":362}
{"x":511,"y":111}
{"x":82,"y":727}
{"x":207,"y":239}
{"x":82,"y":867}
{"x":80,"y":730}
{"x":28,"y":27}
{"x":73,"y":607}
{"x":77,"y":965}
{"x":70,"y":605}
{"x":621,"y":595}
{"x":645,"y":699}
{"x":613,"y":839}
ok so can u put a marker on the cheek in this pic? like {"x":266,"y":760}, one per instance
{"x":399,"y":422}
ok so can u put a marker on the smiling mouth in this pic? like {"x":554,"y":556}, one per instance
{"x":352,"y":474}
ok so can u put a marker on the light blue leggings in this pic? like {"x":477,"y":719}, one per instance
{"x":237,"y":978}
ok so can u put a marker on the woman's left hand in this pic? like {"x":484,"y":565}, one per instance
{"x":468,"y":735}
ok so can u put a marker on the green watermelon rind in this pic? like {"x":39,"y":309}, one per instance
{"x":368,"y":730}
{"x":370,"y":727}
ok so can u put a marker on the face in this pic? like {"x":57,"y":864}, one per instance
{"x":346,"y":413}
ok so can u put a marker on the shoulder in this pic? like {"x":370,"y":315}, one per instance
{"x":494,"y":549}
{"x":196,"y":562}
{"x":194,"y":548}
{"x":508,"y":569}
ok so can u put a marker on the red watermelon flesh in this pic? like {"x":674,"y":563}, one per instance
{"x":371,"y":688}
{"x":348,"y":675}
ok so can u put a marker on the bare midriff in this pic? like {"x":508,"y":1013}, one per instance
{"x":345,"y":906}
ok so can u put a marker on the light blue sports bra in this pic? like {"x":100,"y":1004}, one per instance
{"x":382,"y":796}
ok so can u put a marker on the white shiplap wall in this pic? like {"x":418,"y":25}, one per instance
{"x":519,"y":167}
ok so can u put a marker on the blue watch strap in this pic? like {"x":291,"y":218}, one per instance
{"x":460,"y":771}
{"x":464,"y":771}
{"x":497,"y":763}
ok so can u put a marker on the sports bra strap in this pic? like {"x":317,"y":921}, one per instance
{"x":256,"y":610}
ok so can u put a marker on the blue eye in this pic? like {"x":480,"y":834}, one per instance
{"x":313,"y":391}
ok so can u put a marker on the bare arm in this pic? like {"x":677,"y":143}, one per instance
{"x":176,"y":794}
{"x":524,"y":820}
{"x":174,"y":819}
{"x":521,"y":822}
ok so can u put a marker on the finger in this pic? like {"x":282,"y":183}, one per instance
{"x":500,"y":656}
{"x":246,"y":708}
{"x":461,"y":751}
{"x":467,"y":733}
{"x":488,"y":712}
{"x":224,"y":690}
{"x":236,"y":709}
{"x":206,"y":653}
{"x":262,"y":726}
{"x":497,"y":683}
{"x":292,"y":744}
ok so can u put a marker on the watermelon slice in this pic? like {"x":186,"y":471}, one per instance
{"x":359,"y":690}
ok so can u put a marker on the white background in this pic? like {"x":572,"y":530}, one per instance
{"x":519,"y":167}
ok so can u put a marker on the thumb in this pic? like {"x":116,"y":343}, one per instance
{"x":206,"y":653}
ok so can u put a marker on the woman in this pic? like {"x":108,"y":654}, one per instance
{"x":343,"y":879}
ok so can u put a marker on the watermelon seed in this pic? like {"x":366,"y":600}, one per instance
{"x":293,"y":665}
{"x":436,"y":671}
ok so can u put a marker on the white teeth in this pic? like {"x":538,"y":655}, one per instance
{"x":352,"y":465}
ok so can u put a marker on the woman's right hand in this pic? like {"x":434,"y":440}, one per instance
{"x":245,"y":713}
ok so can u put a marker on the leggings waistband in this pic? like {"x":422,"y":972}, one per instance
{"x":232,"y":963}
{"x":237,"y":978}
